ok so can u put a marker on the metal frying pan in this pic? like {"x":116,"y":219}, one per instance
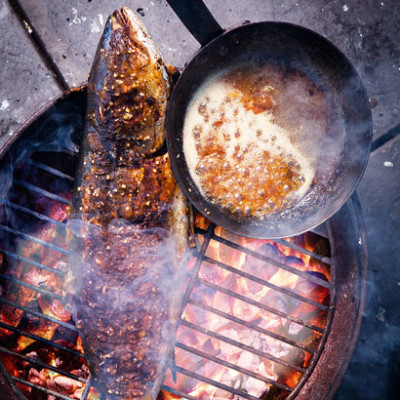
{"x":340,"y":152}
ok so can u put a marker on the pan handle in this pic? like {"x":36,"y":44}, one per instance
{"x":197,"y":18}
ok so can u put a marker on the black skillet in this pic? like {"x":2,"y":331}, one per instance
{"x":290,"y":47}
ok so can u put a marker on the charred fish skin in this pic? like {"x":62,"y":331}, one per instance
{"x":134,"y":221}
{"x":128,"y":89}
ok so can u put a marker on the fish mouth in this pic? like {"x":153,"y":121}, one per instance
{"x":123,"y":16}
{"x":134,"y":31}
{"x":126,"y":19}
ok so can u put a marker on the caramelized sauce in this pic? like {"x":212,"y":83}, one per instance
{"x":237,"y":153}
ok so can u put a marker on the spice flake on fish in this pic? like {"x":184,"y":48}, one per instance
{"x":129,"y":219}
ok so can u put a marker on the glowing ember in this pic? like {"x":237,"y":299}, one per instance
{"x":254,"y":316}
{"x":37,"y":268}
{"x":251,"y":313}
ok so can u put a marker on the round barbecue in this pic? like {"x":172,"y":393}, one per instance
{"x":300,"y":300}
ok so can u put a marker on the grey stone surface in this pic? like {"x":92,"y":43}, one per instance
{"x":380,"y":195}
{"x":230,"y":13}
{"x":366,"y":31}
{"x":25,"y":82}
{"x":374,"y":370}
{"x":72,"y":29}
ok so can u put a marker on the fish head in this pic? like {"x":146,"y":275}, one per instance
{"x":129,"y":86}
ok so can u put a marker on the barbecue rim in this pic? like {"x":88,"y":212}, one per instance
{"x":349,"y":270}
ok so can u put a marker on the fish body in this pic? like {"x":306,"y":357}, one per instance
{"x":129,"y":218}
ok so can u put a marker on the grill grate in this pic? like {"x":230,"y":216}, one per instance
{"x":55,"y":167}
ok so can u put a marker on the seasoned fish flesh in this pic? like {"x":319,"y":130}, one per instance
{"x":129,"y":219}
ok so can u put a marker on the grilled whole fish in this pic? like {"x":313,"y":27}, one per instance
{"x":129,"y":218}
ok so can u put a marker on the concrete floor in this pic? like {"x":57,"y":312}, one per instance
{"x":367,"y":31}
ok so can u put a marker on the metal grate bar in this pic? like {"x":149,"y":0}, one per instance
{"x":41,"y":364}
{"x":200,"y":231}
{"x":239,"y":345}
{"x":36,"y":240}
{"x":279,"y":264}
{"x":232,"y":366}
{"x":178,"y":392}
{"x":319,"y":232}
{"x":251,"y":326}
{"x":33,"y":213}
{"x":71,"y":153}
{"x":35,"y":263}
{"x":32,"y":287}
{"x":39,"y":314}
{"x":49,"y":169}
{"x":86,"y":389}
{"x":45,"y":193}
{"x":300,"y":249}
{"x":40,"y":339}
{"x":262,"y":282}
{"x":41,"y":388}
{"x":215,"y":384}
{"x":196,"y":267}
{"x":290,"y":245}
{"x":252,"y":302}
{"x":280,"y":289}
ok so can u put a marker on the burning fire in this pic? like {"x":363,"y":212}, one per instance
{"x":251,"y":322}
{"x":27,"y":273}
{"x":235,"y":301}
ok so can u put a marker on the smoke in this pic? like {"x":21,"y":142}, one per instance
{"x":119,"y":250}
{"x":125,"y":292}
{"x":53,"y":131}
{"x":57,"y":130}
{"x":125,"y":283}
